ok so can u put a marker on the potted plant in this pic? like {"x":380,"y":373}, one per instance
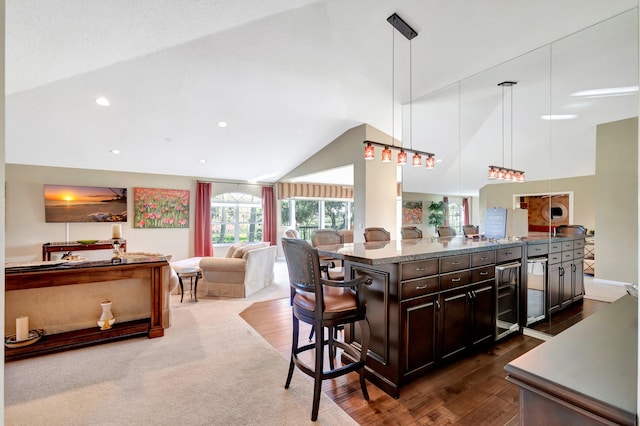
{"x":437,"y":213}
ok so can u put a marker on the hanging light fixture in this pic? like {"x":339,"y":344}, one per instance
{"x":369,"y":150}
{"x":504,"y":173}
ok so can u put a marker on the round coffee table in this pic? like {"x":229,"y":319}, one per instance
{"x":191,"y":273}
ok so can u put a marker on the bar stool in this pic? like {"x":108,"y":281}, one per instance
{"x":311,"y":305}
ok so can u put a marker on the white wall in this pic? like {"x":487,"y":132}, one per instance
{"x":616,"y":206}
{"x":27,"y":230}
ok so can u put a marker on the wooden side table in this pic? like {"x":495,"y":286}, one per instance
{"x":48,"y":248}
{"x":191,"y":273}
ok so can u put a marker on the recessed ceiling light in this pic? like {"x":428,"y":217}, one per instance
{"x":115,"y":151}
{"x":222,"y":124}
{"x":102,"y":101}
{"x":168,"y":139}
{"x":559,"y":117}
{"x":203,"y":161}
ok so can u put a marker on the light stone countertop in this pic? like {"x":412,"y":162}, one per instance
{"x":394,"y":251}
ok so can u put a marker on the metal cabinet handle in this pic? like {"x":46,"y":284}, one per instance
{"x":484,"y":273}
{"x":421,"y":268}
{"x":484,"y":258}
{"x":455,"y":280}
{"x":455,"y":263}
{"x":437,"y":305}
{"x":421,"y":287}
{"x":508,"y":253}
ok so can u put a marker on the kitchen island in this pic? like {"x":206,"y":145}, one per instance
{"x":431,"y":301}
{"x":585,"y":375}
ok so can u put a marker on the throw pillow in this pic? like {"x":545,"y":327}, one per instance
{"x":233,"y":249}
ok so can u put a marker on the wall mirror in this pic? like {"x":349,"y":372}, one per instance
{"x":549,"y":130}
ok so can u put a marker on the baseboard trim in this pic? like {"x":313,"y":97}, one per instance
{"x":601,"y":281}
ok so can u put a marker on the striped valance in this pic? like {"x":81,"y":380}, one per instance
{"x":310,"y":190}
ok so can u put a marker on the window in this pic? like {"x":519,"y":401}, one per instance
{"x":304,"y":215}
{"x":236,"y":217}
{"x":456,"y":214}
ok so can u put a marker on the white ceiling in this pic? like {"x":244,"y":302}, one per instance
{"x":289,"y":76}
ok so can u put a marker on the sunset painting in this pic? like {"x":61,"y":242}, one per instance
{"x":66,"y":203}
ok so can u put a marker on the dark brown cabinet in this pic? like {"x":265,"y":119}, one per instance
{"x":454,"y":322}
{"x":420,"y":333}
{"x":554,"y":301}
{"x":447,"y":306}
{"x":566,"y":276}
{"x":467,"y":318}
{"x":482,"y":313}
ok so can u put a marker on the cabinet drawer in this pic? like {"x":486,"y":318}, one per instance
{"x":483,"y":258}
{"x":555,"y":257}
{"x":454,"y":263}
{"x":455,"y":279}
{"x":508,"y":254}
{"x":567,"y":255}
{"x":555,"y":247}
{"x":578,"y":244}
{"x":419,"y":268}
{"x":578,"y":253}
{"x":567,"y":245}
{"x":535,"y":250}
{"x":420,"y":287}
{"x":484,"y":273}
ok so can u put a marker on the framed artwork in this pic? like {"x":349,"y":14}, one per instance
{"x":72,"y":203}
{"x":411,"y":212}
{"x":160,"y":208}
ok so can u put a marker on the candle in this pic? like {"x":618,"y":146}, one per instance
{"x":22,"y":328}
{"x":116,"y":231}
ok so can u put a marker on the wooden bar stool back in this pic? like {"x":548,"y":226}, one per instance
{"x":311,"y":305}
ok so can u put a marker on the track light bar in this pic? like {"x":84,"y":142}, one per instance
{"x":399,"y":148}
{"x":402,"y":155}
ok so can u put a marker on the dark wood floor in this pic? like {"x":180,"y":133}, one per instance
{"x":471,"y":391}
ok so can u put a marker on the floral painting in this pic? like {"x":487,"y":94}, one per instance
{"x":411,"y":212}
{"x":160,"y":208}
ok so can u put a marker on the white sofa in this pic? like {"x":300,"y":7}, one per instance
{"x":245,"y":269}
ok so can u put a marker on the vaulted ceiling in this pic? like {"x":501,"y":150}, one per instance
{"x":288,"y":76}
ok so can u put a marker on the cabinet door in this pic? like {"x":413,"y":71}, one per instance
{"x":482,"y":313}
{"x":419,"y":333}
{"x":454,"y":316}
{"x":554,"y":282}
{"x":566,"y":290}
{"x":577,"y":275}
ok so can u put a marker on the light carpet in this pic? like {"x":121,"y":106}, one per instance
{"x":603,"y":292}
{"x":210,"y":368}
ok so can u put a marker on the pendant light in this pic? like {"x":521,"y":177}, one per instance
{"x":504,"y":173}
{"x":369,"y":150}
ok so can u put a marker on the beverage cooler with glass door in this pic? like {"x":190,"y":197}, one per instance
{"x":507,"y":295}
